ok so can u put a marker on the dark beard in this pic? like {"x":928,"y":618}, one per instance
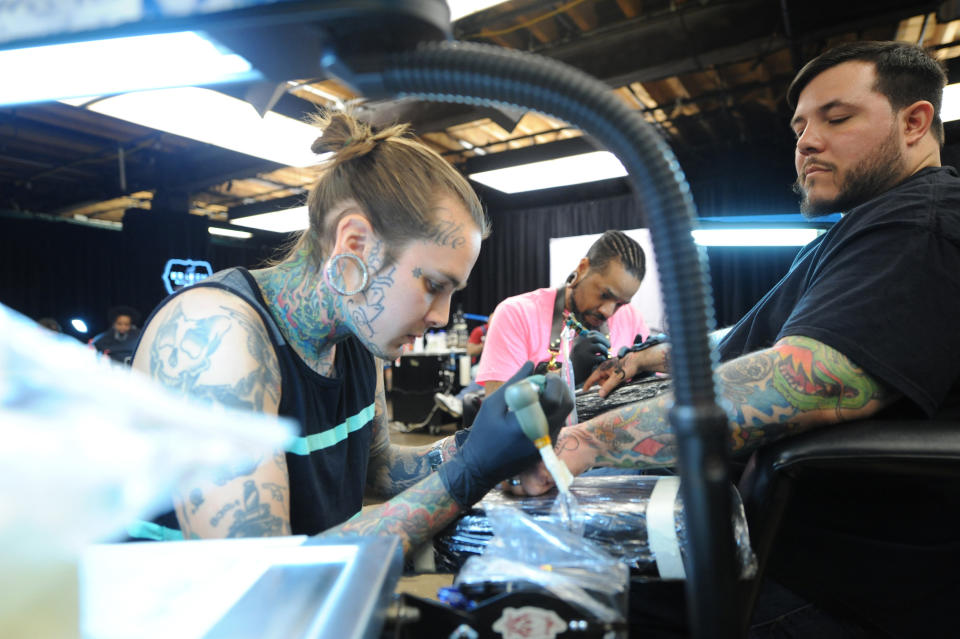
{"x":868,"y":179}
{"x":575,"y":310}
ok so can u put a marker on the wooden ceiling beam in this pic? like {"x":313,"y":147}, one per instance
{"x":630,"y":8}
{"x":584,"y":15}
{"x":543,"y":30}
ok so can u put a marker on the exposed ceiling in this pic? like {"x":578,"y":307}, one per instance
{"x":709,"y":74}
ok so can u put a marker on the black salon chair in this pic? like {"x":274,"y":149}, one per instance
{"x":863,"y":520}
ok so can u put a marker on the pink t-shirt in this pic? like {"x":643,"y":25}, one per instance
{"x":520,"y":330}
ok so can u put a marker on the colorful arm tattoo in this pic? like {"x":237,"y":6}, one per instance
{"x":797,"y":384}
{"x":415,"y":515}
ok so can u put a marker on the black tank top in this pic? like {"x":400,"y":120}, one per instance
{"x":327,"y":462}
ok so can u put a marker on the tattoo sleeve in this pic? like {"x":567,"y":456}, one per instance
{"x":799,"y":383}
{"x":208,"y":346}
{"x":415,"y":515}
{"x":393,"y":469}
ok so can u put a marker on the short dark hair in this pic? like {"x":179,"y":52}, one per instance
{"x":50,"y":323}
{"x":905,"y":73}
{"x":130,"y":312}
{"x":618,"y":245}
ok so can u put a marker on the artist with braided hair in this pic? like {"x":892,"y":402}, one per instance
{"x":394,"y":231}
{"x":595,"y":298}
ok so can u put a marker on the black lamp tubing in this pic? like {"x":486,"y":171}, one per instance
{"x":485,"y":74}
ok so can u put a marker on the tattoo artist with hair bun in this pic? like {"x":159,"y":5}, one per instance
{"x":394,"y":231}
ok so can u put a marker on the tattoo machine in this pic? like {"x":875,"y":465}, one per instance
{"x":523,"y":398}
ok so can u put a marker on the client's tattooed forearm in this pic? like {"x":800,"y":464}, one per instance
{"x":630,"y":436}
{"x":797,"y":384}
{"x":800,"y":383}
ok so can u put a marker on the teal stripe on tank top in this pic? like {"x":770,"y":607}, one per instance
{"x":141,"y":529}
{"x":332,"y":436}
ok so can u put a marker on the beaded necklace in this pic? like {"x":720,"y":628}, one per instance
{"x":573,"y":324}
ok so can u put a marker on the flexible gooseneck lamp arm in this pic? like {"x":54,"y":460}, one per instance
{"x":488,"y":75}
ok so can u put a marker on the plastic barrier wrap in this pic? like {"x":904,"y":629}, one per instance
{"x":590,"y":404}
{"x":527,"y":552}
{"x":615,"y":511}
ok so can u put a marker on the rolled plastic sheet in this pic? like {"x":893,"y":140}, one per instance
{"x":615,"y":511}
{"x":590,"y":404}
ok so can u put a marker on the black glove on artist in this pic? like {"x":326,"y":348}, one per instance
{"x":497,"y":448}
{"x":589,"y":351}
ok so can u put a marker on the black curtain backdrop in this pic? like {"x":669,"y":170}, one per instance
{"x":64,"y":270}
{"x":516,"y":256}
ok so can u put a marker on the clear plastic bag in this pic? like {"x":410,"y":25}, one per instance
{"x":88,"y":448}
{"x":546,"y":555}
{"x":613,"y":514}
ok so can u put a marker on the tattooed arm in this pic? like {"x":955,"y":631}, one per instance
{"x":796,"y":385}
{"x":212,"y":346}
{"x":416,"y":515}
{"x":392,"y":468}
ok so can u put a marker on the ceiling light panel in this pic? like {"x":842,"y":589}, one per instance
{"x":754,"y":237}
{"x":117,"y":65}
{"x":573,"y":169}
{"x":286,"y":221}
{"x":215,"y":118}
{"x":216,"y":230}
{"x":950,"y":107}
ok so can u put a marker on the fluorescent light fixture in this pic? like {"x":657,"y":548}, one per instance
{"x":462,"y":8}
{"x":216,"y":230}
{"x":117,"y":65}
{"x":103,"y":224}
{"x":573,"y":169}
{"x":215,"y":118}
{"x":78,"y":325}
{"x":470,"y":147}
{"x":286,"y":221}
{"x":950,"y":107}
{"x":754,"y":237}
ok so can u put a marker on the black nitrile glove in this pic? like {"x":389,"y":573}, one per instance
{"x":589,"y":351}
{"x":497,"y":448}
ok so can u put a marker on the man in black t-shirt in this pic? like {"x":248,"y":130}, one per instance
{"x":863,"y":324}
{"x":829,"y":342}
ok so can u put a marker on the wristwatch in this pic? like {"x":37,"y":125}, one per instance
{"x":435,"y":456}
